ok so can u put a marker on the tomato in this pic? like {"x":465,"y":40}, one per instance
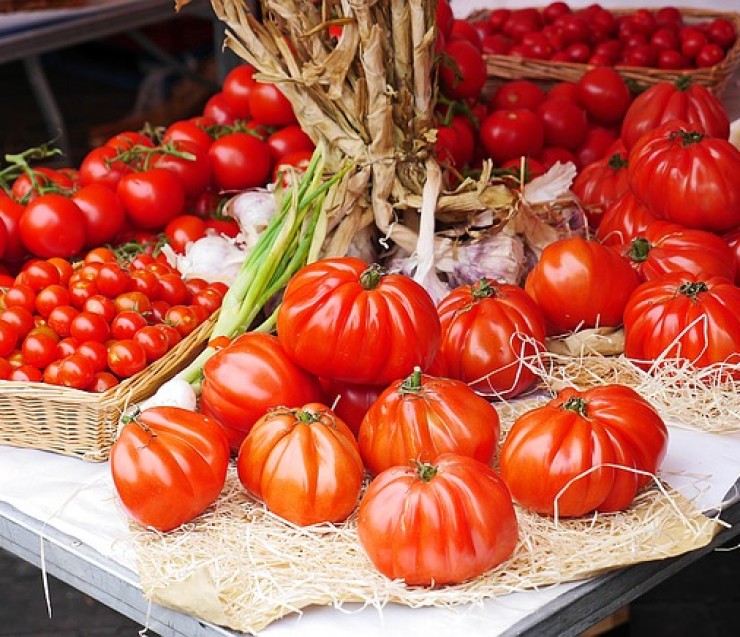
{"x":564,"y":123}
{"x":126,"y":357}
{"x":269,"y":106}
{"x":349,"y":401}
{"x":179,"y":455}
{"x":343,"y":320}
{"x":489,"y":330}
{"x":684,"y":176}
{"x":151,"y":197}
{"x":550,"y":155}
{"x":39,"y":347}
{"x":604,"y":94}
{"x":103,"y":213}
{"x":218,"y":110}
{"x":596,"y":146}
{"x":687,"y":317}
{"x":95,"y":353}
{"x":601,"y":183}
{"x":19,"y":318}
{"x":291,"y":162}
{"x":8,"y":339}
{"x":580,"y":284}
{"x":287,"y":140}
{"x":664,"y":247}
{"x":692,"y":40}
{"x":171,"y":334}
{"x":623,"y":219}
{"x":189,"y":162}
{"x":236,"y":88}
{"x":153,"y":341}
{"x":439,"y":523}
{"x":303,"y":463}
{"x":65,"y":347}
{"x":52,"y":225}
{"x":51,"y":297}
{"x":240,"y":161}
{"x":188,"y":131}
{"x":733,"y":240}
{"x":20,"y":295}
{"x":242,"y":381}
{"x":444,"y":17}
{"x":710,"y":55}
{"x":89,"y":326}
{"x":133,"y":300}
{"x":565,"y":458}
{"x":463,"y":71}
{"x":517,"y":94}
{"x":126,"y":140}
{"x":10,"y":214}
{"x":510,"y":134}
{"x":75,"y":371}
{"x":102,"y":382}
{"x":184,"y":318}
{"x":682,"y":100}
{"x":183,"y":230}
{"x":423,"y":416}
{"x":113,"y":280}
{"x":26,"y":373}
{"x":101,"y":166}
{"x":39,"y":180}
{"x":125,"y":324}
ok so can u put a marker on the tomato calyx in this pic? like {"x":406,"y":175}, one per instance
{"x":692,"y":289}
{"x":687,"y":138}
{"x":483,"y":290}
{"x":683,"y":82}
{"x":370,"y":278}
{"x":412,"y":384}
{"x":425,"y":471}
{"x":639,"y":249}
{"x":576,"y":404}
{"x":133,"y":417}
{"x":617,"y":162}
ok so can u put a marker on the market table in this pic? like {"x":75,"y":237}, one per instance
{"x":60,"y":514}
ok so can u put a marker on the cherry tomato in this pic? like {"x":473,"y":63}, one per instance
{"x":269,"y":106}
{"x":183,"y":318}
{"x":10,"y":214}
{"x":151,"y":197}
{"x":39,"y":347}
{"x":8,"y":339}
{"x":564,"y":123}
{"x":188,"y":131}
{"x":126,"y":358}
{"x":464,"y":75}
{"x":88,"y":326}
{"x":113,"y":280}
{"x":100,"y":304}
{"x":126,"y":323}
{"x":287,"y":140}
{"x":709,"y":55}
{"x":218,"y":110}
{"x":100,"y":166}
{"x":508,"y":134}
{"x":26,"y":374}
{"x":236,"y":88}
{"x":517,"y":94}
{"x":189,"y":163}
{"x":20,"y":318}
{"x":50,"y":297}
{"x":604,"y":95}
{"x":102,"y":382}
{"x":25,"y":187}
{"x":153,"y":341}
{"x":240,"y":161}
{"x":126,"y":140}
{"x":53,"y":226}
{"x":75,"y":371}
{"x":184,"y":229}
{"x":21,"y":295}
{"x":95,"y":352}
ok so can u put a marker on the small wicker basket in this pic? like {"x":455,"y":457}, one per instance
{"x":716,"y":78}
{"x":76,"y":423}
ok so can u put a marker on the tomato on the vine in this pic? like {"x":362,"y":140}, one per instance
{"x":53,"y":225}
{"x":151,"y":197}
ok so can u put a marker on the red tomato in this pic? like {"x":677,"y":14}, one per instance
{"x":75,"y":371}
{"x":184,"y":229}
{"x":125,"y":324}
{"x":178,"y":454}
{"x":488,"y":331}
{"x":564,"y":123}
{"x":153,"y":341}
{"x":151,"y":197}
{"x":682,"y":175}
{"x":240,"y":161}
{"x":52,"y":226}
{"x":580,"y":284}
{"x":297,"y":161}
{"x":25,"y":187}
{"x":103,"y":213}
{"x":288,"y":140}
{"x":682,"y":100}
{"x":733,"y":240}
{"x":343,"y":320}
{"x":623,"y":220}
{"x":126,"y":357}
{"x":269,"y":106}
{"x":596,"y":146}
{"x":550,"y":155}
{"x":100,"y":166}
{"x":684,"y":317}
{"x":189,"y":162}
{"x":410,"y":530}
{"x":51,"y":297}
{"x":423,"y":416}
{"x":113,"y":280}
{"x":444,"y":17}
{"x":463,"y":70}
{"x":39,"y":274}
{"x":664,"y":247}
{"x":183,"y":318}
{"x":10,"y":215}
{"x":190,"y":131}
{"x":510,"y":134}
{"x":20,"y":295}
{"x":126,"y":140}
{"x":218,"y":110}
{"x":303,"y":463}
{"x":604,"y":94}
{"x":253,"y":374}
{"x":517,"y":94}
{"x":102,"y":382}
{"x":710,"y":55}
{"x":236,"y":88}
{"x":601,"y":183}
{"x":350,"y":401}
{"x":88,"y":326}
{"x":8,"y":339}
{"x":692,"y":41}
{"x":39,"y":347}
{"x":566,"y":457}
{"x":96,"y":354}
{"x":100,"y":304}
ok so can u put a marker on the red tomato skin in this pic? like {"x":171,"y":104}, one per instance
{"x":103,"y":212}
{"x":465,"y":75}
{"x":549,"y":447}
{"x":623,"y":220}
{"x":168,"y":466}
{"x":240,"y":161}
{"x":565,"y":123}
{"x":303,"y":463}
{"x":52,"y":225}
{"x":488,"y":330}
{"x":604,"y":94}
{"x":664,"y":247}
{"x":344,"y":320}
{"x":253,"y":374}
{"x":151,"y":197}
{"x":444,"y":530}
{"x":684,"y":100}
{"x":269,"y":106}
{"x":685,"y":177}
{"x":686,"y":316}
{"x":290,"y":139}
{"x":423,"y":416}
{"x":510,"y":134}
{"x":10,"y":214}
{"x":237,"y":86}
{"x":600,"y":184}
{"x":350,"y":401}
{"x":580,"y":284}
{"x":733,"y":240}
{"x":517,"y":94}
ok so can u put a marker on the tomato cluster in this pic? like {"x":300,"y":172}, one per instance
{"x":90,"y":325}
{"x":141,"y":183}
{"x":593,"y":35}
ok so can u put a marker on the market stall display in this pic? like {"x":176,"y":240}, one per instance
{"x":493,"y":300}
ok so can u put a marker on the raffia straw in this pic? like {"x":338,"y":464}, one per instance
{"x":246,"y":567}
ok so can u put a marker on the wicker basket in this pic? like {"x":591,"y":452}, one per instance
{"x":716,"y":78}
{"x":76,"y":423}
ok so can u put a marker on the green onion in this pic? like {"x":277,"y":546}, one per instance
{"x":292,"y":239}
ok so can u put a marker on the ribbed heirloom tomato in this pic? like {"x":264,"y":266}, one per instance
{"x":437,"y":523}
{"x":423,"y":416}
{"x":248,"y":377}
{"x":583,"y":451}
{"x":168,"y":465}
{"x":488,"y":332}
{"x":344,"y":320}
{"x":303,"y":463}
